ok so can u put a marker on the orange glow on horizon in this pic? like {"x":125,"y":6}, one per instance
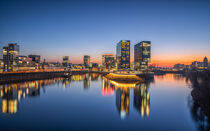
{"x":161,"y":61}
{"x":168,"y":61}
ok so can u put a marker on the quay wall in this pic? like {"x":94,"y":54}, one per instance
{"x":16,"y":77}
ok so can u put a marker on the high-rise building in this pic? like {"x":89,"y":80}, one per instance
{"x":86,"y":60}
{"x":205,"y":62}
{"x":35,"y":58}
{"x":123,"y":55}
{"x":9,"y":54}
{"x":65,"y":61}
{"x":108,"y":61}
{"x":142,"y":55}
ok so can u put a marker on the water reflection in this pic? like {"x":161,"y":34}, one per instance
{"x":141,"y":96}
{"x":102,"y":95}
{"x":122,"y":101}
{"x":11,"y":94}
{"x":107,"y":87}
{"x":142,"y":99}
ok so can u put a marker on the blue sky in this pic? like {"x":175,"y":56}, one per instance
{"x":53,"y":29}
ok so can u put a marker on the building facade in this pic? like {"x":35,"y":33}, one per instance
{"x":197,"y":65}
{"x":22,"y":60}
{"x":10,"y":52}
{"x":123,"y":55}
{"x":108,"y":61}
{"x":179,"y":66}
{"x":142,"y":55}
{"x":35,"y":58}
{"x":86,"y":61}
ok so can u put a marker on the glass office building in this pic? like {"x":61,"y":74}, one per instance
{"x":123,"y":55}
{"x":142,"y":55}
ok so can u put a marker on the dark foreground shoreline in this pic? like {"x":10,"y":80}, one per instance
{"x":201,"y":97}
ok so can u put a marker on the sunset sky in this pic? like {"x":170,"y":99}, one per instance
{"x":179,"y":30}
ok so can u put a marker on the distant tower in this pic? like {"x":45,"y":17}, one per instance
{"x":86,"y":60}
{"x":205,"y":62}
{"x":43,"y":64}
{"x":123,"y":54}
{"x":9,"y":54}
{"x":65,"y":61}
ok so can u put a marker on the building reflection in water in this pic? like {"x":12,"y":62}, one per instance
{"x":86,"y":81}
{"x":86,"y":78}
{"x":122,"y":101}
{"x":142,"y":99}
{"x":11,"y":94}
{"x":122,"y":90}
{"x":107,"y":88}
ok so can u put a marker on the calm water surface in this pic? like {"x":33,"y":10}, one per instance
{"x":92,"y":102}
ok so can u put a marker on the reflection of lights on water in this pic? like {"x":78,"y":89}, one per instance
{"x":107,"y":91}
{"x":19,"y":97}
{"x":27,"y":91}
{"x":9,"y":103}
{"x":123,"y":114}
{"x":4,"y":106}
{"x":145,"y":108}
{"x":24,"y":95}
{"x":125,"y":85}
{"x":2,"y":93}
{"x":9,"y":106}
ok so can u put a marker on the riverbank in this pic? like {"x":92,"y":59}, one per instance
{"x":201,"y":90}
{"x":25,"y":76}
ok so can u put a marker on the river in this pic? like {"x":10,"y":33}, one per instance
{"x":92,"y":102}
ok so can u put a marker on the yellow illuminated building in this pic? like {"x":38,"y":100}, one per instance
{"x":123,"y":55}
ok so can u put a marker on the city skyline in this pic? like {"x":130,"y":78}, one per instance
{"x":179,"y":31}
{"x":105,"y":65}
